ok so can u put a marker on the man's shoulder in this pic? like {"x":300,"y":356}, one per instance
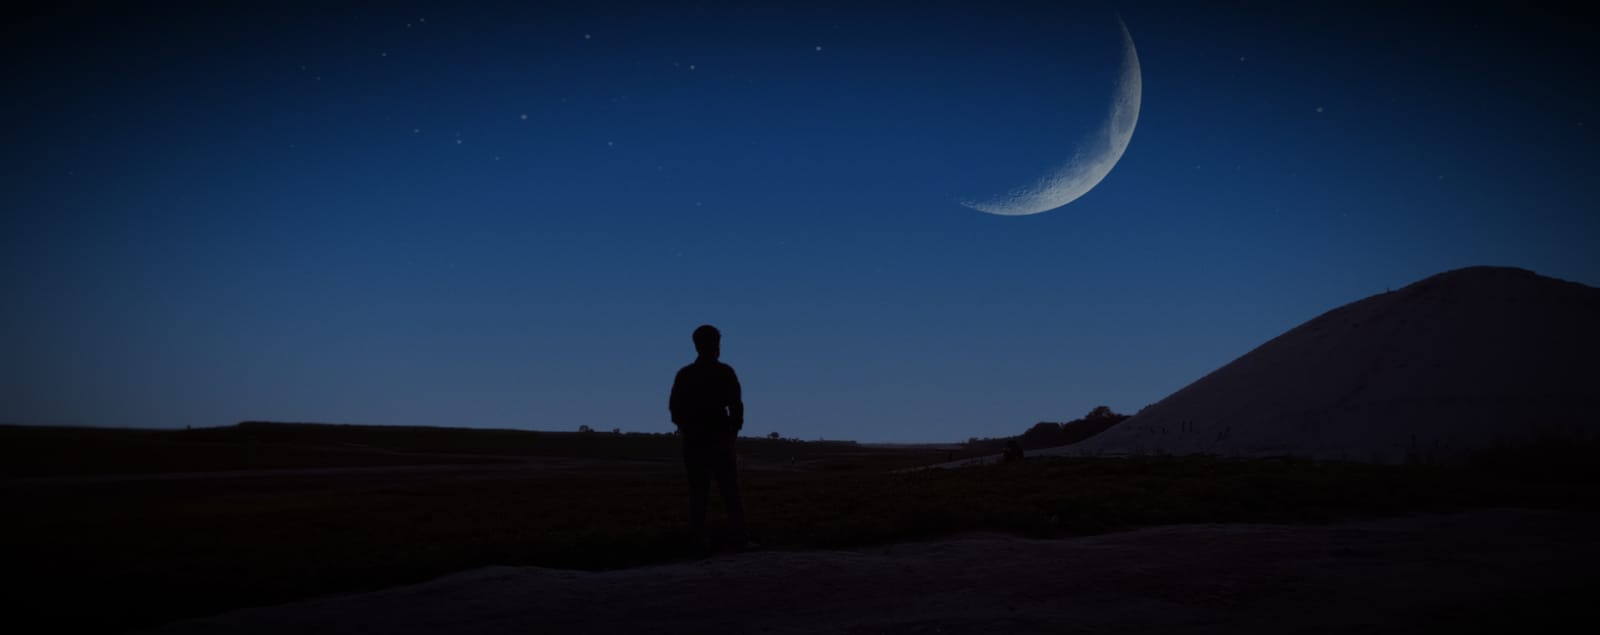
{"x":703,"y":371}
{"x":716,"y":366}
{"x":696,"y":368}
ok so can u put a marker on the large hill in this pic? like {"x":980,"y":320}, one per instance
{"x":1456,"y":363}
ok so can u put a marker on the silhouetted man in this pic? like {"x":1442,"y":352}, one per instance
{"x":707,"y":409}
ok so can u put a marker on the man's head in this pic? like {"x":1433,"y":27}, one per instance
{"x":708,"y":341}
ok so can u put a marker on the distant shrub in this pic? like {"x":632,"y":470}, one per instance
{"x":1049,"y":434}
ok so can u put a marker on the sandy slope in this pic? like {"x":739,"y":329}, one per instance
{"x":1464,"y":572}
{"x":1454,"y":363}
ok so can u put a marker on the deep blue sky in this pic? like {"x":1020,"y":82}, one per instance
{"x":514,"y":215}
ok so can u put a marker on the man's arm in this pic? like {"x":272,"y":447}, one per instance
{"x":675,"y":401}
{"x":735,"y":401}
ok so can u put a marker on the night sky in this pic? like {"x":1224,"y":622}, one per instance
{"x":513,"y":215}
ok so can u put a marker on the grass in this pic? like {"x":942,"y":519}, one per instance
{"x":145,"y":551}
{"x":34,"y":451}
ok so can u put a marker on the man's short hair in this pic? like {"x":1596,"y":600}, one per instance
{"x":706,"y":337}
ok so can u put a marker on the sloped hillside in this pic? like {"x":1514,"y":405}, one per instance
{"x":1455,"y":363}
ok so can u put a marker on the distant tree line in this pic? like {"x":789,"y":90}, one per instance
{"x":1049,"y":434}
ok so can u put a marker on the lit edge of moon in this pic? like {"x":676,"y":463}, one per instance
{"x":1092,"y":162}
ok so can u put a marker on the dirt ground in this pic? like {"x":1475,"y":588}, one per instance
{"x":1483,"y":571}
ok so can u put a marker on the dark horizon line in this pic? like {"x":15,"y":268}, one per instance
{"x":596,"y":431}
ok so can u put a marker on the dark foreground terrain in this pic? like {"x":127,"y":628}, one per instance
{"x":115,"y":530}
{"x":1491,"y":571}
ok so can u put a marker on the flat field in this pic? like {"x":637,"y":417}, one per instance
{"x":116,"y":529}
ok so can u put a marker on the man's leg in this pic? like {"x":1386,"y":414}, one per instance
{"x":726,"y":471}
{"x":697,"y":466}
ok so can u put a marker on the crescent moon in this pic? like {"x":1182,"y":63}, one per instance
{"x":1094,"y":159}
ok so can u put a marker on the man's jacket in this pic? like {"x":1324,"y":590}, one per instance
{"x":705,"y":400}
